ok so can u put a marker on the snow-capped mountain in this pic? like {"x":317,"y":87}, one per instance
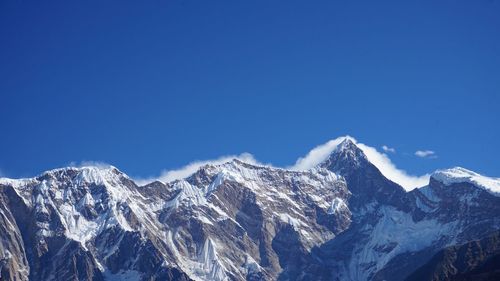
{"x":342,"y":220}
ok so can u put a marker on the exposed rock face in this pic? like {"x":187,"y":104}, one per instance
{"x":476,"y":260}
{"x":13,"y":261}
{"x":342,"y":220}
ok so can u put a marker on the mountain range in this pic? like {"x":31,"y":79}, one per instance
{"x":341,"y":220}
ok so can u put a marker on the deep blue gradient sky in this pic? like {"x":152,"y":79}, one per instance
{"x":153,"y":85}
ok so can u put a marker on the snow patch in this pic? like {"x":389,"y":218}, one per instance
{"x":206,"y":265}
{"x":77,"y":227}
{"x":251,"y":266}
{"x":211,"y":267}
{"x":188,"y":195}
{"x":395,"y":232}
{"x":286,"y":218}
{"x":338,"y":204}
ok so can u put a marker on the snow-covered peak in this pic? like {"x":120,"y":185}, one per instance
{"x":241,"y":164}
{"x":462,"y":175}
{"x":243,"y":172}
{"x":88,"y":173}
{"x":345,"y":157}
{"x":85,"y":201}
{"x":81,"y":168}
{"x":347,"y":144}
{"x":68,"y":177}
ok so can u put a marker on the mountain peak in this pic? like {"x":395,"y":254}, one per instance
{"x":346,"y":156}
{"x":347,"y":143}
{"x":462,"y":175}
{"x":364,"y":180}
{"x":86,"y":168}
{"x":94,"y":174}
{"x":349,"y":146}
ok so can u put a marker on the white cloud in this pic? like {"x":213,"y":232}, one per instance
{"x":390,"y":171}
{"x":425,"y":154}
{"x":380,"y":160}
{"x":388,"y":149}
{"x":189,"y":169}
{"x":318,"y":154}
{"x":313,"y":158}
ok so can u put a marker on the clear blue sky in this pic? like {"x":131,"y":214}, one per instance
{"x":152,"y":85}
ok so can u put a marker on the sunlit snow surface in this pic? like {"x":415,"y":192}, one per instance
{"x":460,"y":175}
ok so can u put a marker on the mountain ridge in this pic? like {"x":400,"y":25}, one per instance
{"x":341,"y":220}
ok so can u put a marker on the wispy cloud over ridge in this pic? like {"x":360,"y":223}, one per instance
{"x":314,"y":157}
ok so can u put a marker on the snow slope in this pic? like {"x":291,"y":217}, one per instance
{"x":462,"y":175}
